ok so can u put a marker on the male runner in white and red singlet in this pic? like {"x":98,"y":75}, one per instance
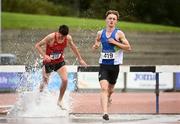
{"x":113,"y":43}
{"x":53,"y":57}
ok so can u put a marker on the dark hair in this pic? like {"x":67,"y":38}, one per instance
{"x":112,"y":12}
{"x":64,"y":30}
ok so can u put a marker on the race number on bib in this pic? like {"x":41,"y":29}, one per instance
{"x":55,"y":55}
{"x":109,"y":55}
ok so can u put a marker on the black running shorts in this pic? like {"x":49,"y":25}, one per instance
{"x":109,"y":73}
{"x":53,"y":67}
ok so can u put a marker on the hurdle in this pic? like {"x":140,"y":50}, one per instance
{"x":156,"y":69}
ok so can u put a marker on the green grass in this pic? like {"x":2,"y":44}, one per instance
{"x":28,"y":21}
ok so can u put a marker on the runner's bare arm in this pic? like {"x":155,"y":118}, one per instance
{"x":124,"y":44}
{"x":42,"y":43}
{"x":75,"y":50}
{"x":97,"y":40}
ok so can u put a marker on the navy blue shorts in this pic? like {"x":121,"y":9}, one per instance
{"x":109,"y":73}
{"x":53,"y":67}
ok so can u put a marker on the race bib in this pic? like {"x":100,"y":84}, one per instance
{"x":55,"y":55}
{"x":109,"y":55}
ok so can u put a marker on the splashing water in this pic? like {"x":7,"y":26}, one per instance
{"x":32,"y":103}
{"x":40,"y":104}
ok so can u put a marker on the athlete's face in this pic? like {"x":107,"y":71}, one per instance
{"x":111,"y":20}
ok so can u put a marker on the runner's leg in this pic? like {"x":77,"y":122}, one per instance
{"x":104,"y":95}
{"x":110,"y":92}
{"x":63,"y":74}
{"x":45,"y":79}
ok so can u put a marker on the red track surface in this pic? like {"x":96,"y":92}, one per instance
{"x":122,"y":102}
{"x":128,"y":103}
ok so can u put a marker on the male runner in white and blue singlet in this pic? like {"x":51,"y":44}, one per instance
{"x":113,"y":43}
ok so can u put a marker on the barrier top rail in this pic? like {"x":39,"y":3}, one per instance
{"x":137,"y":68}
{"x":12,"y":68}
{"x":94,"y":68}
